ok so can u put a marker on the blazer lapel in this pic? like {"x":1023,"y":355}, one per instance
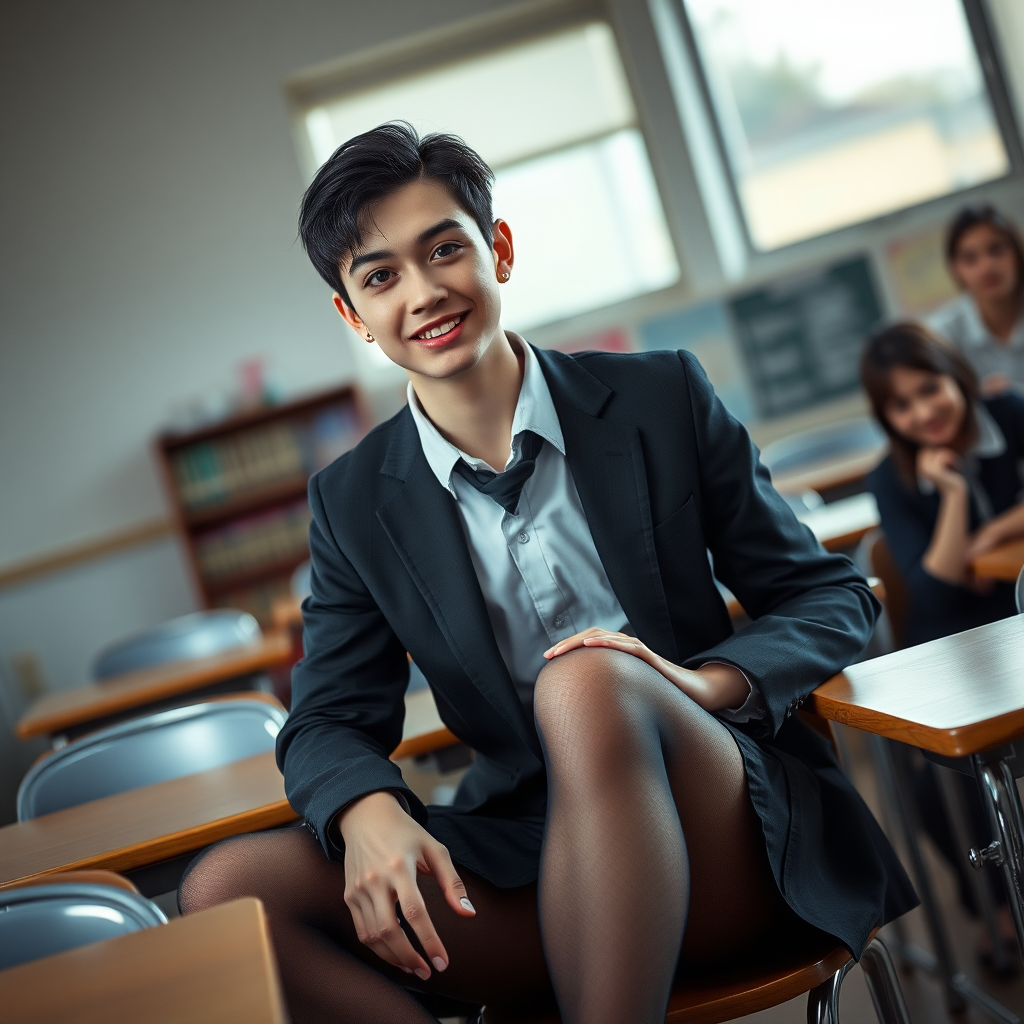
{"x":422,"y":522}
{"x":607,"y":466}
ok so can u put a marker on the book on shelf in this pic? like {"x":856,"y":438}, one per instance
{"x":270,"y":538}
{"x":213,"y":471}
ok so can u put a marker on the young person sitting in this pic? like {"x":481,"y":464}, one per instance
{"x":950,"y":489}
{"x":533,"y":529}
{"x":985,"y":256}
{"x":951,"y":486}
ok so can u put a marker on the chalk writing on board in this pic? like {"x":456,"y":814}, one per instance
{"x":802,"y":336}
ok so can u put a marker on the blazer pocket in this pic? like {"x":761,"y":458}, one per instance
{"x":683,"y":517}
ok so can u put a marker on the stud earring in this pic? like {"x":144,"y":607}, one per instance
{"x":370,"y":337}
{"x":504,"y":275}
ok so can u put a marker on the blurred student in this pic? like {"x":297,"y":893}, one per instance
{"x":951,"y":486}
{"x":949,"y":489}
{"x":985,"y":256}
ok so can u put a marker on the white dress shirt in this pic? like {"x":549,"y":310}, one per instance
{"x":539,"y":571}
{"x":960,"y":323}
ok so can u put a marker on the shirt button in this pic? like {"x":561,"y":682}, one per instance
{"x":559,"y":622}
{"x":523,"y":537}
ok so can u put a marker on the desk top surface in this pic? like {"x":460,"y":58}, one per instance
{"x":143,"y":826}
{"x":957,"y":695}
{"x":1001,"y":563}
{"x":56,"y":712}
{"x":832,"y":472}
{"x":211,"y":967}
{"x":147,"y":825}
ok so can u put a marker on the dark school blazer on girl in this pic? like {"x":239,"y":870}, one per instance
{"x":908,"y":520}
{"x":664,"y":474}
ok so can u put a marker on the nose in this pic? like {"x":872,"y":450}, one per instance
{"x":426,"y":292}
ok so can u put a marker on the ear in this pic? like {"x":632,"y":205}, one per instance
{"x":504,"y":251}
{"x":351,"y":317}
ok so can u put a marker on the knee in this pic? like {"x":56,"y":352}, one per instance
{"x":587,"y":689}
{"x":247,"y":865}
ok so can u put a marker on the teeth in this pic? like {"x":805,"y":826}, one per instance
{"x":436,"y":332}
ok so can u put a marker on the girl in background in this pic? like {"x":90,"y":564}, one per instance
{"x":949,"y":489}
{"x":985,"y":257}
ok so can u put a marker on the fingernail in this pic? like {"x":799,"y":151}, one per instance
{"x":466,"y":905}
{"x":438,"y":963}
{"x":422,"y":973}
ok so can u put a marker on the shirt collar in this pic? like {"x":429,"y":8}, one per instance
{"x":976,"y":333}
{"x":535,"y":411}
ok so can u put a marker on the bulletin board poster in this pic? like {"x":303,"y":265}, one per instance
{"x":916,"y":270}
{"x":704,"y":330}
{"x":802,"y":336}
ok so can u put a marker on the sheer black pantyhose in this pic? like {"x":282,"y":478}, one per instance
{"x":650,"y":833}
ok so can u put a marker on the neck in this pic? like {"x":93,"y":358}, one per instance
{"x":1000,"y":315}
{"x":474,"y":409}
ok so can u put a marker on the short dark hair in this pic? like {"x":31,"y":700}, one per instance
{"x":985,"y":213}
{"x":913,"y":346}
{"x":370,"y":167}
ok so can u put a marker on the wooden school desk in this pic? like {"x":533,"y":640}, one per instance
{"x":830,"y":473}
{"x":146,"y":826}
{"x":960,"y":697}
{"x":1001,"y":563}
{"x":212,"y":967}
{"x":77,"y":710}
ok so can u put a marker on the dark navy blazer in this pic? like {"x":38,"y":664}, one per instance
{"x":908,"y":520}
{"x":664,"y":474}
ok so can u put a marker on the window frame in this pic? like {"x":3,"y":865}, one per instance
{"x":992,"y":65}
{"x":476,"y":37}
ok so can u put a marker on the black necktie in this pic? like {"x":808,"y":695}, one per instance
{"x":506,"y":487}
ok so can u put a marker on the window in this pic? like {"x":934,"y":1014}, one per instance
{"x":555,"y":120}
{"x":831,"y":112}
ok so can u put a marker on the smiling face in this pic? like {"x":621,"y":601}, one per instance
{"x":424,"y":282}
{"x":927,"y":409}
{"x":985,"y":264}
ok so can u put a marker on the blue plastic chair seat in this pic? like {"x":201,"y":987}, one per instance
{"x":815,"y":446}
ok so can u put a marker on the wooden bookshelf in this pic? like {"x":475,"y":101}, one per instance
{"x":237,"y":489}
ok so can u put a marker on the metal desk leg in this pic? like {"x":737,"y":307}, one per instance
{"x":958,"y":987}
{"x":1006,"y":818}
{"x":956,"y":810}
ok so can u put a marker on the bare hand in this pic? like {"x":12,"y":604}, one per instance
{"x":993,"y":384}
{"x":988,"y":537}
{"x":713,"y":687}
{"x":939,"y":465}
{"x":384,"y":849}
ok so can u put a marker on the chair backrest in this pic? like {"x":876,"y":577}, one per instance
{"x":897,"y":597}
{"x":198,"y":635}
{"x":1018,"y":591}
{"x":42,"y":920}
{"x":300,"y":584}
{"x":144,"y":751}
{"x":821,"y":444}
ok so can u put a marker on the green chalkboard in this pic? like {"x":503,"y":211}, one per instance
{"x":802,"y":336}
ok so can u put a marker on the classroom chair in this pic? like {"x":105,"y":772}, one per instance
{"x":198,"y":635}
{"x":810,"y":447}
{"x":1018,"y":591}
{"x":64,"y":911}
{"x":152,"y":749}
{"x":873,"y":556}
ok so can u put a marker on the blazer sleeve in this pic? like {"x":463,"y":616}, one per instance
{"x":348,"y":692}
{"x":813,"y":612}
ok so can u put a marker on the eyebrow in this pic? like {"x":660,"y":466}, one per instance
{"x":386,"y":254}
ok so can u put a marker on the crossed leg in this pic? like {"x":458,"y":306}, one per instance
{"x":650,"y":832}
